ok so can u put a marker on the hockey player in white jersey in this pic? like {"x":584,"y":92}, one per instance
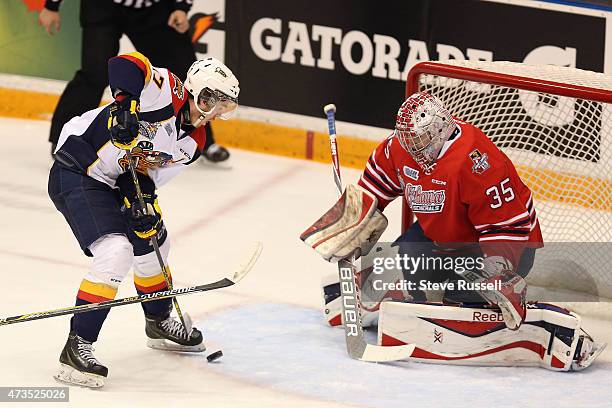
{"x":161,"y":121}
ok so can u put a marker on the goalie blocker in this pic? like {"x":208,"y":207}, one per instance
{"x":551,"y":337}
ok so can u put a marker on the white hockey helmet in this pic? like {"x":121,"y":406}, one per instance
{"x":422,"y":126}
{"x":214,"y":88}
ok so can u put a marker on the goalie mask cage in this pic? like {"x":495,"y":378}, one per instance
{"x":555,"y":125}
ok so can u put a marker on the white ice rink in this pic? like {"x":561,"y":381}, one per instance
{"x":278,"y":350}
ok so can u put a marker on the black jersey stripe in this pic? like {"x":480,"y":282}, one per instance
{"x":377,"y":183}
{"x":507,"y":231}
{"x":384,"y":177}
{"x":158,"y":115}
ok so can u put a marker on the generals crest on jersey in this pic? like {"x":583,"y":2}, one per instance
{"x":480,"y":160}
{"x":425,"y":201}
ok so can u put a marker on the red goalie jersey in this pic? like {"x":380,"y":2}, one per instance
{"x":473,"y":194}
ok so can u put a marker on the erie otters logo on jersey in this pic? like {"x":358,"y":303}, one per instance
{"x":146,"y":158}
{"x":427,"y":201}
{"x":481,"y":161}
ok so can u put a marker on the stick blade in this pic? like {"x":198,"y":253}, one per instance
{"x":248,"y":262}
{"x":381,"y":354}
{"x":329,"y":108}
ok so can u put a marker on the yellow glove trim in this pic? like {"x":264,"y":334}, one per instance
{"x":123,"y":146}
{"x":157,"y":208}
{"x":134,"y":107}
{"x":146,"y":234}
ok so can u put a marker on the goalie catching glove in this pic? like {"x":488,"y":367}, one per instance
{"x":145,"y":222}
{"x":351,"y":227}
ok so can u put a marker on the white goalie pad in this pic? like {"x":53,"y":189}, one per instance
{"x":353,"y":223}
{"x":551,"y":336}
{"x":369,"y":280}
{"x":330,"y":285}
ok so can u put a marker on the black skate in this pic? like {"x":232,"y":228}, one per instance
{"x":79,"y":366}
{"x":216,"y":153}
{"x":167,"y":333}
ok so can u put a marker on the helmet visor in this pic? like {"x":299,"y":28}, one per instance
{"x":412,"y":141}
{"x":212,"y":103}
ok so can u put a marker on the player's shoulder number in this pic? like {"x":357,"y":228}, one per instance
{"x":500,"y":193}
{"x":157,"y":78}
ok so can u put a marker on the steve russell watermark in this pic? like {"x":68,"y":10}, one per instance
{"x":424,"y":284}
{"x":412,"y":265}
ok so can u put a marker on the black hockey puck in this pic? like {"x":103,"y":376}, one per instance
{"x":214,"y":356}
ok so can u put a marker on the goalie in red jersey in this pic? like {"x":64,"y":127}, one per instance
{"x":474,"y":240}
{"x":468,"y":201}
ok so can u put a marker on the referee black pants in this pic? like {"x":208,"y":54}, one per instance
{"x":103,"y":23}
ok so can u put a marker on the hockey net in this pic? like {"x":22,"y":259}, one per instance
{"x":555,"y":125}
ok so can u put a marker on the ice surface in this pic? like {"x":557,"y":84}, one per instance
{"x":278,"y":352}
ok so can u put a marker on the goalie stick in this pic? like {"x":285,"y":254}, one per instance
{"x":239,"y":272}
{"x":356,"y":345}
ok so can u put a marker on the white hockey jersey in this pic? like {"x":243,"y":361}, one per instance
{"x":163,"y":148}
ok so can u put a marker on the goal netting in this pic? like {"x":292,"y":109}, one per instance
{"x":555,"y":125}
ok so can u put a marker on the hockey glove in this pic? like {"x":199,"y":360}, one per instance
{"x":145,"y":222}
{"x":503,"y":288}
{"x":123,"y":121}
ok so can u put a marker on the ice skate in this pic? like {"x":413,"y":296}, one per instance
{"x":587,"y":351}
{"x":167,"y":333}
{"x":78,"y":365}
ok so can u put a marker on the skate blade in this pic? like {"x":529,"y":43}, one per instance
{"x":588,"y":360}
{"x":72,"y":376}
{"x":163,"y":344}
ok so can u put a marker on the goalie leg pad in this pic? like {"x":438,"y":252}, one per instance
{"x":332,"y":300}
{"x":353,"y":223}
{"x":550,"y":337}
{"x":369,"y":279}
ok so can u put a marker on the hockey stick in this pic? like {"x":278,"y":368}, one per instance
{"x":356,"y":345}
{"x":153,"y":239}
{"x":240,"y":272}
